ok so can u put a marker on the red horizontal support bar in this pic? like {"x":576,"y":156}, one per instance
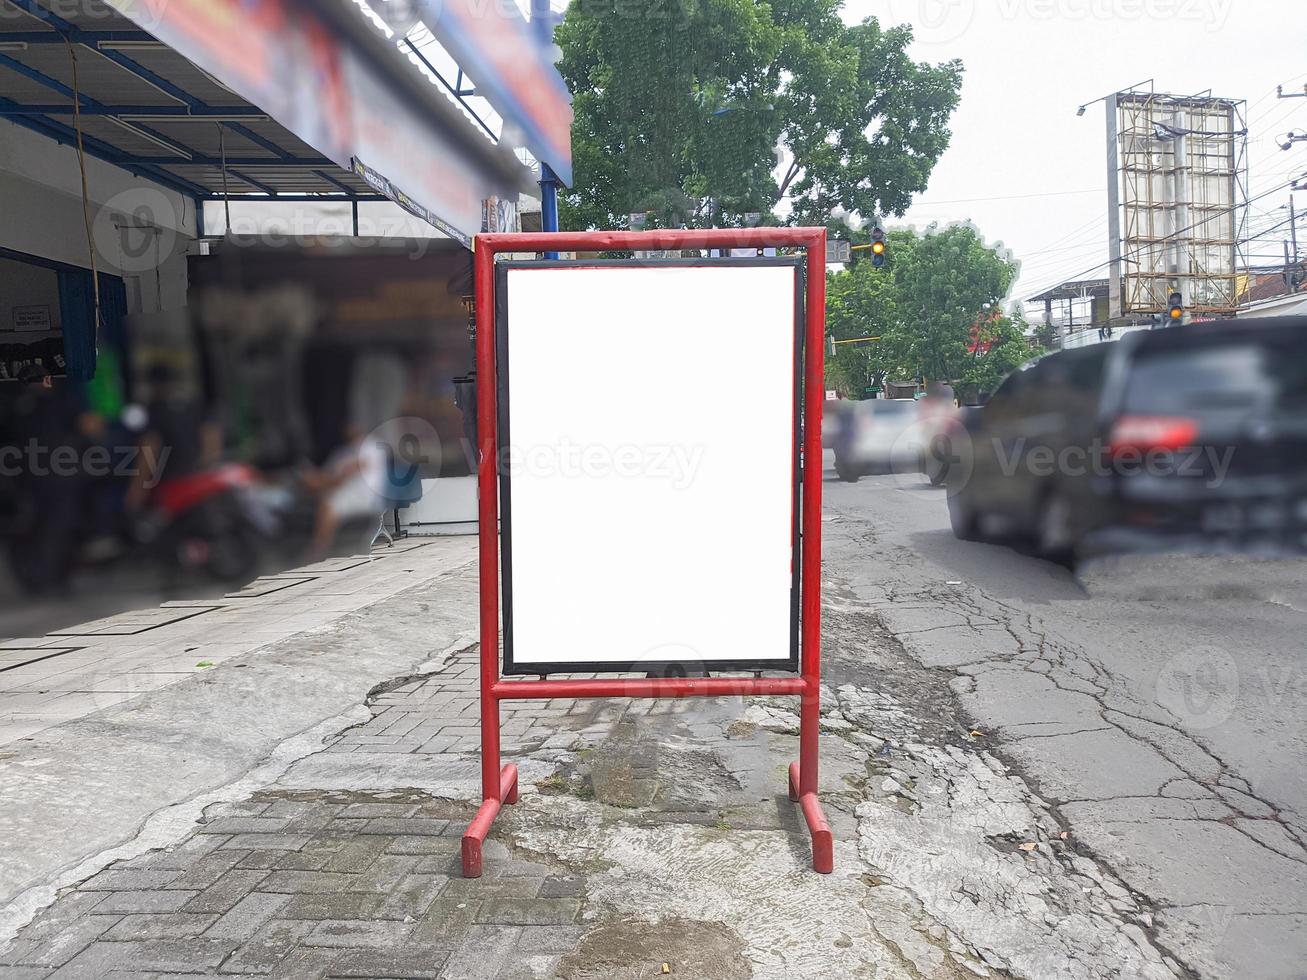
{"x":662,"y":687}
{"x":672,"y":238}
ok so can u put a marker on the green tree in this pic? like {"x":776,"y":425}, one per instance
{"x":861,"y":301}
{"x":945,"y":285}
{"x":682,"y":106}
{"x":1045,"y":335}
{"x":935,"y":307}
{"x":1003,"y":347}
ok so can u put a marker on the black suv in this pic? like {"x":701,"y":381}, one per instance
{"x":1185,"y":438}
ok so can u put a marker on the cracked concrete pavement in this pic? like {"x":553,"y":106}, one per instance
{"x":1156,"y":704}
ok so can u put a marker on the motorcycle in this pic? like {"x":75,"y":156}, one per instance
{"x":208,"y":523}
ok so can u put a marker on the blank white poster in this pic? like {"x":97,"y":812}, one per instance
{"x":651,"y":427}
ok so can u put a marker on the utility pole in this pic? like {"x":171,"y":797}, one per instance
{"x":1183,"y":250}
{"x":1293,"y":228}
{"x":1291,"y":269}
{"x":1175,"y":190}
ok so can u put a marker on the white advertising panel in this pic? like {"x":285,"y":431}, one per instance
{"x":648,"y":434}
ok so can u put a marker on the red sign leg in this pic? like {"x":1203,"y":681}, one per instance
{"x":479,"y":829}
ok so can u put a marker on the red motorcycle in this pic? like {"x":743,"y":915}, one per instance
{"x":205,"y":522}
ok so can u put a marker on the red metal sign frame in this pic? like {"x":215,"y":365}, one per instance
{"x":499,"y":783}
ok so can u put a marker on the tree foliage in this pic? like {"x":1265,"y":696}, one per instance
{"x":951,"y":278}
{"x":935,"y":307}
{"x":1006,"y":347}
{"x":862,"y":301}
{"x":682,"y":105}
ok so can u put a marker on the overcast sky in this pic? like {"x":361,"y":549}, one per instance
{"x":1030,"y":63}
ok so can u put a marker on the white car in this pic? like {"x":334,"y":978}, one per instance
{"x":881,"y":436}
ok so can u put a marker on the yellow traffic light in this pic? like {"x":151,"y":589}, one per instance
{"x":1176,"y":302}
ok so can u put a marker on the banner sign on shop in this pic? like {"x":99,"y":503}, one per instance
{"x":512,"y":70}
{"x":386,"y":189}
{"x":285,"y":57}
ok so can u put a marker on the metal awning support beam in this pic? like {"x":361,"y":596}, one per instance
{"x":47,"y":17}
{"x":67,"y":136}
{"x":270,"y":163}
{"x":297,"y":198}
{"x":184,"y":155}
{"x":302,"y":198}
{"x":135,"y":68}
{"x":252,"y":182}
{"x":183,"y":152}
{"x":170,"y":112}
{"x":457,"y":91}
{"x":94,"y":41}
{"x":341,"y":184}
{"x":77,"y":36}
{"x":253,"y":137}
{"x":264,"y":160}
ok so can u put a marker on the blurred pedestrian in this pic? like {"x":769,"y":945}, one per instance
{"x":350,"y":488}
{"x":54,"y":430}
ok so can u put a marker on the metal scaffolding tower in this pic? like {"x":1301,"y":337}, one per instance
{"x":1178,"y":193}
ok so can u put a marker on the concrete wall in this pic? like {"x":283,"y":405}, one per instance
{"x":141,"y":231}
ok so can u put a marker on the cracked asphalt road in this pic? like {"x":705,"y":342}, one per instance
{"x":1156,"y":705}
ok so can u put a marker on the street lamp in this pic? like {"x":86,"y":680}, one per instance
{"x":1085,"y":108}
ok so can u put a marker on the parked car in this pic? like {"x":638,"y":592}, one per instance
{"x":1185,"y":438}
{"x":879,"y":436}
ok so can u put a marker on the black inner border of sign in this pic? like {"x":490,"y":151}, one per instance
{"x":502,"y":367}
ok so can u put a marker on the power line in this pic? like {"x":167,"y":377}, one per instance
{"x":1242,"y":241}
{"x":1039,"y":270}
{"x":1065,"y":248}
{"x":1074,"y":233}
{"x":1176,"y":234}
{"x":1274,"y":89}
{"x":1263,"y":234}
{"x":1029,"y":265}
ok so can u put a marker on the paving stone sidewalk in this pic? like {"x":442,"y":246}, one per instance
{"x":337,"y":885}
{"x":323,"y":883}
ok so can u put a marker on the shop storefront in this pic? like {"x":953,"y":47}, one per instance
{"x":131,"y":132}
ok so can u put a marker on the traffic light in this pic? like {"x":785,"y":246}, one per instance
{"x":878,"y":247}
{"x":1176,"y":303}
